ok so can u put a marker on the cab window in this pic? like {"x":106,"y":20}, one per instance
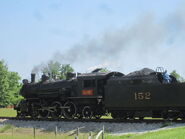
{"x":89,"y":83}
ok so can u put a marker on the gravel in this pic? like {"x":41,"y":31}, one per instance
{"x":112,"y":128}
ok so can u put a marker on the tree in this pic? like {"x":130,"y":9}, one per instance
{"x":4,"y":85}
{"x":104,"y":70}
{"x":64,"y":70}
{"x":9,"y":85}
{"x":177,"y":76}
{"x":14,"y":87}
{"x":55,"y":69}
{"x":52,"y":68}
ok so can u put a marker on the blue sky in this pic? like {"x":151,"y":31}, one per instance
{"x":32,"y":31}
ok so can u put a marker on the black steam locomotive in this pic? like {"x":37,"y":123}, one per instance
{"x":144,"y":93}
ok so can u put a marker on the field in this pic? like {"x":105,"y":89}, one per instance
{"x":7,"y":112}
{"x":175,"y":133}
{"x":10,"y":112}
{"x":9,"y":132}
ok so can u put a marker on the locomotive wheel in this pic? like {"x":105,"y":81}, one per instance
{"x":164,"y":115}
{"x":182,"y":115}
{"x":79,"y":113}
{"x":114,"y":115}
{"x":117,"y":115}
{"x":34,"y":114}
{"x":20,"y":115}
{"x":141,"y":118}
{"x":44,"y":113}
{"x":70,"y":111}
{"x":56,"y":110}
{"x":130,"y":115}
{"x":97,"y":116}
{"x":79,"y":116}
{"x":87,"y":112}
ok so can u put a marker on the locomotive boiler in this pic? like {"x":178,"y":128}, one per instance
{"x":81,"y":96}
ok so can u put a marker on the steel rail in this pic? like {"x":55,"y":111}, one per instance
{"x":96,"y":120}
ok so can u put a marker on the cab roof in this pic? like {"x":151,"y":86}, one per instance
{"x":99,"y":75}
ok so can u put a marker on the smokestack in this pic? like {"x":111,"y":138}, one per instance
{"x":33,"y":78}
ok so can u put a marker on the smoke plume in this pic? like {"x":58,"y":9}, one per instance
{"x":149,"y":42}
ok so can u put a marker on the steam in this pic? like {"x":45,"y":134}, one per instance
{"x":149,"y":42}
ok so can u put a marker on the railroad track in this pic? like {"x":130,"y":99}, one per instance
{"x":97,"y":120}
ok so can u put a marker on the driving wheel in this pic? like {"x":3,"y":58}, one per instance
{"x":69,"y":111}
{"x":56,"y":110}
{"x":87,"y":112}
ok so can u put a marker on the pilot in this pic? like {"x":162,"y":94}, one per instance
{"x":166,"y":77}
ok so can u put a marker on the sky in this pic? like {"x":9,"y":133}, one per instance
{"x":122,"y":35}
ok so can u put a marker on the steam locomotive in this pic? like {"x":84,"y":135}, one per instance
{"x":140,"y":94}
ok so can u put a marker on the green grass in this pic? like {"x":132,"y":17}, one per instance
{"x":38,"y":137}
{"x":5,"y":128}
{"x":7,"y":112}
{"x":10,"y":132}
{"x":22,"y":133}
{"x":175,"y":133}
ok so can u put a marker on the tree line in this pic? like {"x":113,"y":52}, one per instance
{"x":10,"y":83}
{"x":56,"y":69}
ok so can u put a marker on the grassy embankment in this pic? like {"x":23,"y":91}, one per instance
{"x":22,"y":133}
{"x":175,"y":133}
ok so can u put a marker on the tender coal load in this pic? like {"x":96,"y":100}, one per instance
{"x":142,"y":72}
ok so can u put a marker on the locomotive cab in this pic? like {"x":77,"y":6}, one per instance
{"x":90,"y":86}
